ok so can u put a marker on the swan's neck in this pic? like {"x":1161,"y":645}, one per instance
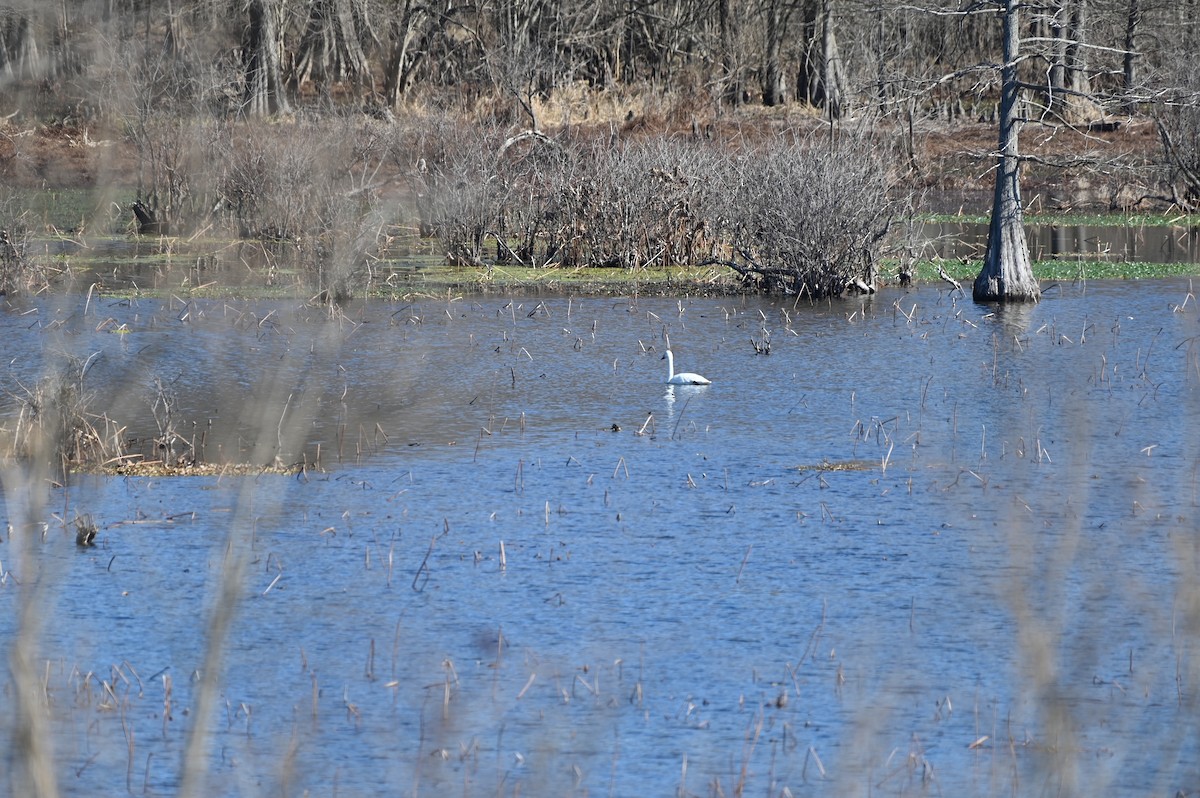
{"x":670,"y":365}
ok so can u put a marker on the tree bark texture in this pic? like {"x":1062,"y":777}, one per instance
{"x":731,"y":84}
{"x":1007,"y":274}
{"x":821,"y":81}
{"x":832,"y":79}
{"x":331,"y":50}
{"x":18,"y":47}
{"x":403,"y":56}
{"x":774,"y":91}
{"x":1133,"y":20}
{"x":264,"y":91}
{"x":1067,"y":78}
{"x":1077,"y":66}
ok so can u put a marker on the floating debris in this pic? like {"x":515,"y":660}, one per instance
{"x":839,"y":465}
{"x":85,"y":531}
{"x":159,"y":468}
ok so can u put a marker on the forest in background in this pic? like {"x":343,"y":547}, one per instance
{"x":600,"y":133}
{"x":930,"y":58}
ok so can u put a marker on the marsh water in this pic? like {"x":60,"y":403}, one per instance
{"x":922,"y":546}
{"x":1117,"y":243}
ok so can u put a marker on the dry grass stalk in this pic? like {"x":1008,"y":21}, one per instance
{"x":56,"y":412}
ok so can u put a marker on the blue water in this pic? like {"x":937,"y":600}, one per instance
{"x":529,"y":567}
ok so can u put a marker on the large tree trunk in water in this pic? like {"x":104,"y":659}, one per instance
{"x":264,"y":92}
{"x":1007,"y":274}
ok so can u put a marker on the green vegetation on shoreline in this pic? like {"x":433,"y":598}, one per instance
{"x":81,"y":237}
{"x":172,"y":275}
{"x":927,"y":271}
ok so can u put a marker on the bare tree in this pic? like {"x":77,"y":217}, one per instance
{"x":331,"y":49}
{"x":1133,"y":22}
{"x":411,"y":26}
{"x":18,"y":45}
{"x":263,"y":93}
{"x":776,"y":16}
{"x":821,"y":81}
{"x":1007,"y":273}
{"x":1178,"y":122}
{"x":519,"y":64}
{"x":731,"y":78}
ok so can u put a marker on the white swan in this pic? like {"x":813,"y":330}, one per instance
{"x":683,"y":378}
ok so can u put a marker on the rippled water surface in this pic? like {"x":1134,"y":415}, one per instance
{"x":920,"y":546}
{"x":1119,"y":243}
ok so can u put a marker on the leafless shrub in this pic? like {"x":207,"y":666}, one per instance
{"x":18,"y":270}
{"x":172,"y":171}
{"x":540,"y":200}
{"x":798,"y":217}
{"x":169,"y":444}
{"x":345,"y":238}
{"x":310,"y":190}
{"x":635,"y":206}
{"x":808,"y":218}
{"x":14,"y":261}
{"x":55,"y":423}
{"x":1178,"y":122}
{"x":464,"y":186}
{"x":162,"y":96}
{"x":352,"y":217}
{"x":535,"y":223}
{"x":267,"y":183}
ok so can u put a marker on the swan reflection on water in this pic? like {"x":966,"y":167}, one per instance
{"x":685,"y":392}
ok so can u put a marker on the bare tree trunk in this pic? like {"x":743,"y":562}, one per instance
{"x":1076,"y":52}
{"x":1133,"y":21}
{"x":821,"y":81}
{"x":331,"y":50}
{"x":18,"y":46}
{"x":1007,"y":274}
{"x":1067,"y":79}
{"x":414,"y":31}
{"x":264,"y":92}
{"x":1056,"y":76}
{"x":731,"y":83}
{"x":832,"y":78}
{"x":773,"y":90}
{"x":403,"y":57}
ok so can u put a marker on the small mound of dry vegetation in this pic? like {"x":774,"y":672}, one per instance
{"x":54,"y":423}
{"x":160,"y":468}
{"x":838,"y":465}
